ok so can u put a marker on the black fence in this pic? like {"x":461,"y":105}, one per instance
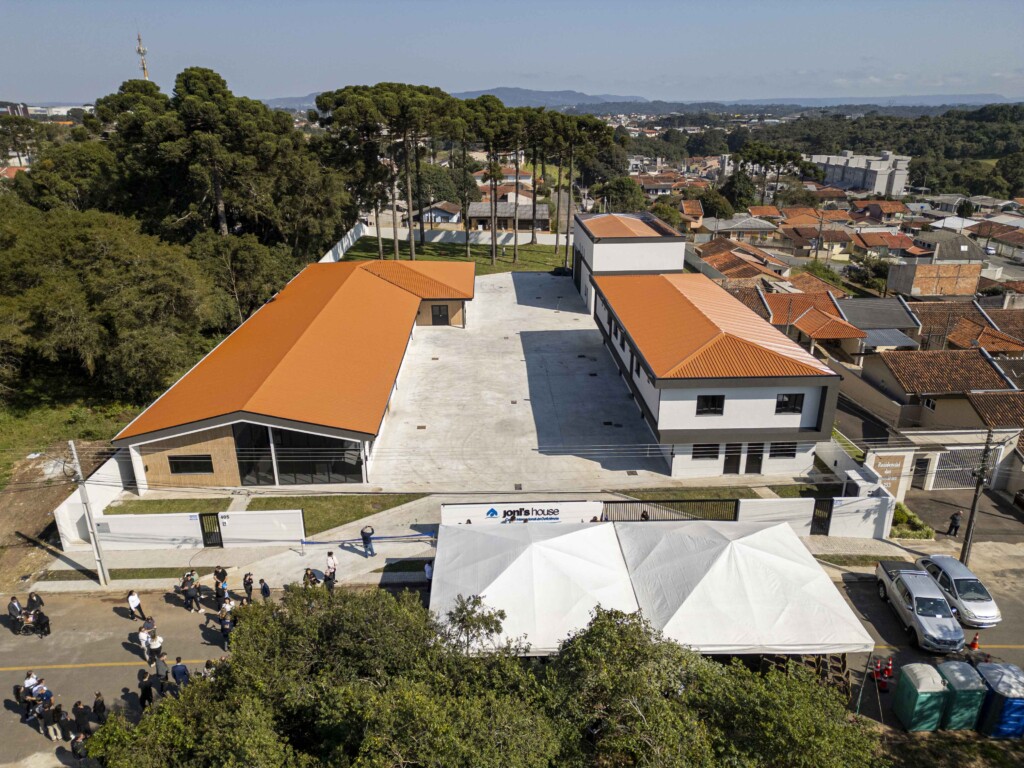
{"x":672,"y":509}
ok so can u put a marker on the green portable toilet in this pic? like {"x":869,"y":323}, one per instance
{"x":966,"y":694}
{"x":920,"y":697}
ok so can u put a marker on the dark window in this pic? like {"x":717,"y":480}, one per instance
{"x":636,"y":366}
{"x":789,"y":403}
{"x":191,"y":465}
{"x":255,"y":461}
{"x":782,"y":451}
{"x":705,"y":451}
{"x":710,"y":405}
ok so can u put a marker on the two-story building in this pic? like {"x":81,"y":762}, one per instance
{"x":721,"y":389}
{"x":623,"y":243}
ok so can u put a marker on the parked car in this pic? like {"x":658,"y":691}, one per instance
{"x":919,"y":605}
{"x":990,"y":250}
{"x":963,"y":591}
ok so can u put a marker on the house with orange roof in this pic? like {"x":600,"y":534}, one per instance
{"x":623,"y":243}
{"x":722,"y":390}
{"x":298,"y":393}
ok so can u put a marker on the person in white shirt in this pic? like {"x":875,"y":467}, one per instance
{"x":135,"y":606}
{"x":428,"y":569}
{"x":332,"y":563}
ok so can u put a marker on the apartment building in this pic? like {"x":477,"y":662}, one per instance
{"x":884,"y":174}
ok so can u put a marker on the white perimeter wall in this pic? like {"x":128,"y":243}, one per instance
{"x":745,"y":407}
{"x":183,"y":531}
{"x":104,"y":485}
{"x":478,"y":237}
{"x":859,"y":518}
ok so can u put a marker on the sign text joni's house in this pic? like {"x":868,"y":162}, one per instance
{"x":299,"y":392}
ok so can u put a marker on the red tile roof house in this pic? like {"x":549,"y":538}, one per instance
{"x":884,"y":211}
{"x":721,"y":389}
{"x":508,"y":176}
{"x":308,"y":376}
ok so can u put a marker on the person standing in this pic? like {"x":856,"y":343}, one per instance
{"x":14,"y":610}
{"x":329,"y":580}
{"x":78,"y":749}
{"x":135,"y":606}
{"x":35,"y":602}
{"x":192,"y":597}
{"x":51,"y":725}
{"x":367,"y":536}
{"x":954,"y":523}
{"x":145,"y":689}
{"x":99,"y":708}
{"x":226,"y":625}
{"x":156,"y":643}
{"x":264,"y":591}
{"x":80,"y":713}
{"x":180,"y":673}
{"x":247,"y":586}
{"x":332,"y":563}
{"x":162,"y":673}
{"x":428,"y":570}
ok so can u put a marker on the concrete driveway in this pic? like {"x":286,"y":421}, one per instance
{"x":998,"y":519}
{"x":525,"y":396}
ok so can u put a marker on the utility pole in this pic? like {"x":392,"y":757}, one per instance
{"x":981,"y":475}
{"x":83,"y":492}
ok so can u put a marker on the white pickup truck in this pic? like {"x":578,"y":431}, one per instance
{"x":919,"y":605}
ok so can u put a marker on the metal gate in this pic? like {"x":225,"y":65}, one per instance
{"x":821,"y":521}
{"x":956,"y":468}
{"x":210,"y":524}
{"x":672,"y":509}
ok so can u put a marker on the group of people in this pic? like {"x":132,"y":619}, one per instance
{"x":38,"y":705}
{"x":30,"y":617}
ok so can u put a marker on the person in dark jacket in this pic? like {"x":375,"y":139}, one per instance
{"x":80,"y":713}
{"x":180,"y":673}
{"x":192,"y":598}
{"x":226,"y":625}
{"x":367,"y":536}
{"x":264,"y":590}
{"x":247,"y":585}
{"x":35,"y":602}
{"x":145,"y":689}
{"x":99,"y":708}
{"x":162,"y":672}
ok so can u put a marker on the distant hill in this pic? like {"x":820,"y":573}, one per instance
{"x":526,"y":97}
{"x":293,"y":102}
{"x":974,"y":99}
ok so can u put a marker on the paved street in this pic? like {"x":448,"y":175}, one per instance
{"x":998,"y":519}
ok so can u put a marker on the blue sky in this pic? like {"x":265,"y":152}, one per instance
{"x":56,"y":50}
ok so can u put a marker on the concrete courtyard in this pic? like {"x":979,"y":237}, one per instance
{"x":525,"y":396}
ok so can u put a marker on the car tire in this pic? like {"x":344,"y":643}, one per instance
{"x":882,"y":594}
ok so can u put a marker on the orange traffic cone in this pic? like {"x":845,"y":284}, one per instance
{"x":888,"y":669}
{"x":974,"y":643}
{"x":880,"y":681}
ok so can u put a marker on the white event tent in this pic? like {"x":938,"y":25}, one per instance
{"x":548,"y":577}
{"x":717,"y":587}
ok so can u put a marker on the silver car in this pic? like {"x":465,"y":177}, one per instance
{"x":963,"y":591}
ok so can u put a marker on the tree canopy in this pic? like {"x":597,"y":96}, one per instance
{"x":369,"y":679}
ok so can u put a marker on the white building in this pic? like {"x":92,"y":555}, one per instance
{"x":722,"y":390}
{"x":885,"y":174}
{"x":623,"y":243}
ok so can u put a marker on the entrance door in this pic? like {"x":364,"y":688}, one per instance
{"x":733,"y":454}
{"x":755,"y":457}
{"x":439,"y":314}
{"x":210,"y":523}
{"x":920,"y":472}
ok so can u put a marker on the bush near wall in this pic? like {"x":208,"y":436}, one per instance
{"x":907,"y":525}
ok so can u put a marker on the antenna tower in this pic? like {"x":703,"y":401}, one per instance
{"x":139,"y":49}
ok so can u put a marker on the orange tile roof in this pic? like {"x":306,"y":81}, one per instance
{"x":787,"y":307}
{"x":820,"y":325}
{"x":692,"y":207}
{"x":943,"y":372}
{"x":685,"y":326}
{"x":808,"y":283}
{"x":724,"y":244}
{"x":324,"y":351}
{"x":620,"y":225}
{"x":885,"y":206}
{"x":732,"y":264}
{"x":967,"y":334}
{"x":764,"y":210}
{"x":427,"y":279}
{"x":799,"y":210}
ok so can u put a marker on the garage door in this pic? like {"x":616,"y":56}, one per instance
{"x":955,"y":469}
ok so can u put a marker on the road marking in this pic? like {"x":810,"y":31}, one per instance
{"x":87,"y":665}
{"x":984,"y":647}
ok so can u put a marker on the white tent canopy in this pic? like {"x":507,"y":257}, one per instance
{"x":736,"y":588}
{"x":718,"y":587}
{"x":548,"y":578}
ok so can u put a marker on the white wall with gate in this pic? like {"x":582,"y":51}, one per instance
{"x":184,"y":530}
{"x":864,"y":517}
{"x":104,"y":485}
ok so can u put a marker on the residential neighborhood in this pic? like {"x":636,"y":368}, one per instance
{"x":476,"y":411}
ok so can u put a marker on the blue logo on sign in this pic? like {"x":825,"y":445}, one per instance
{"x":492,"y":512}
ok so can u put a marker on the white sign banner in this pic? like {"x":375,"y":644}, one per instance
{"x":522,"y":512}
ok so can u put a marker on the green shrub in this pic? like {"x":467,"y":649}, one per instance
{"x":907,"y":525}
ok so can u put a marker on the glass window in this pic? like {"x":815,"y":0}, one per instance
{"x":303,"y":458}
{"x":705,"y":451}
{"x":944,"y":581}
{"x":935,"y":607}
{"x":191,"y":465}
{"x":252,"y":447}
{"x":789,"y":403}
{"x":710,"y":405}
{"x":972,"y":589}
{"x":929,"y":404}
{"x":782,"y":451}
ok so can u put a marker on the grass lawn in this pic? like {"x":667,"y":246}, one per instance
{"x":167,"y":506}
{"x":661,"y":494}
{"x":34,"y":427}
{"x":951,"y":749}
{"x":532,"y":258}
{"x":325,"y":512}
{"x":412,"y":565}
{"x":123,"y":574}
{"x":857,"y":559}
{"x":808,"y":491}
